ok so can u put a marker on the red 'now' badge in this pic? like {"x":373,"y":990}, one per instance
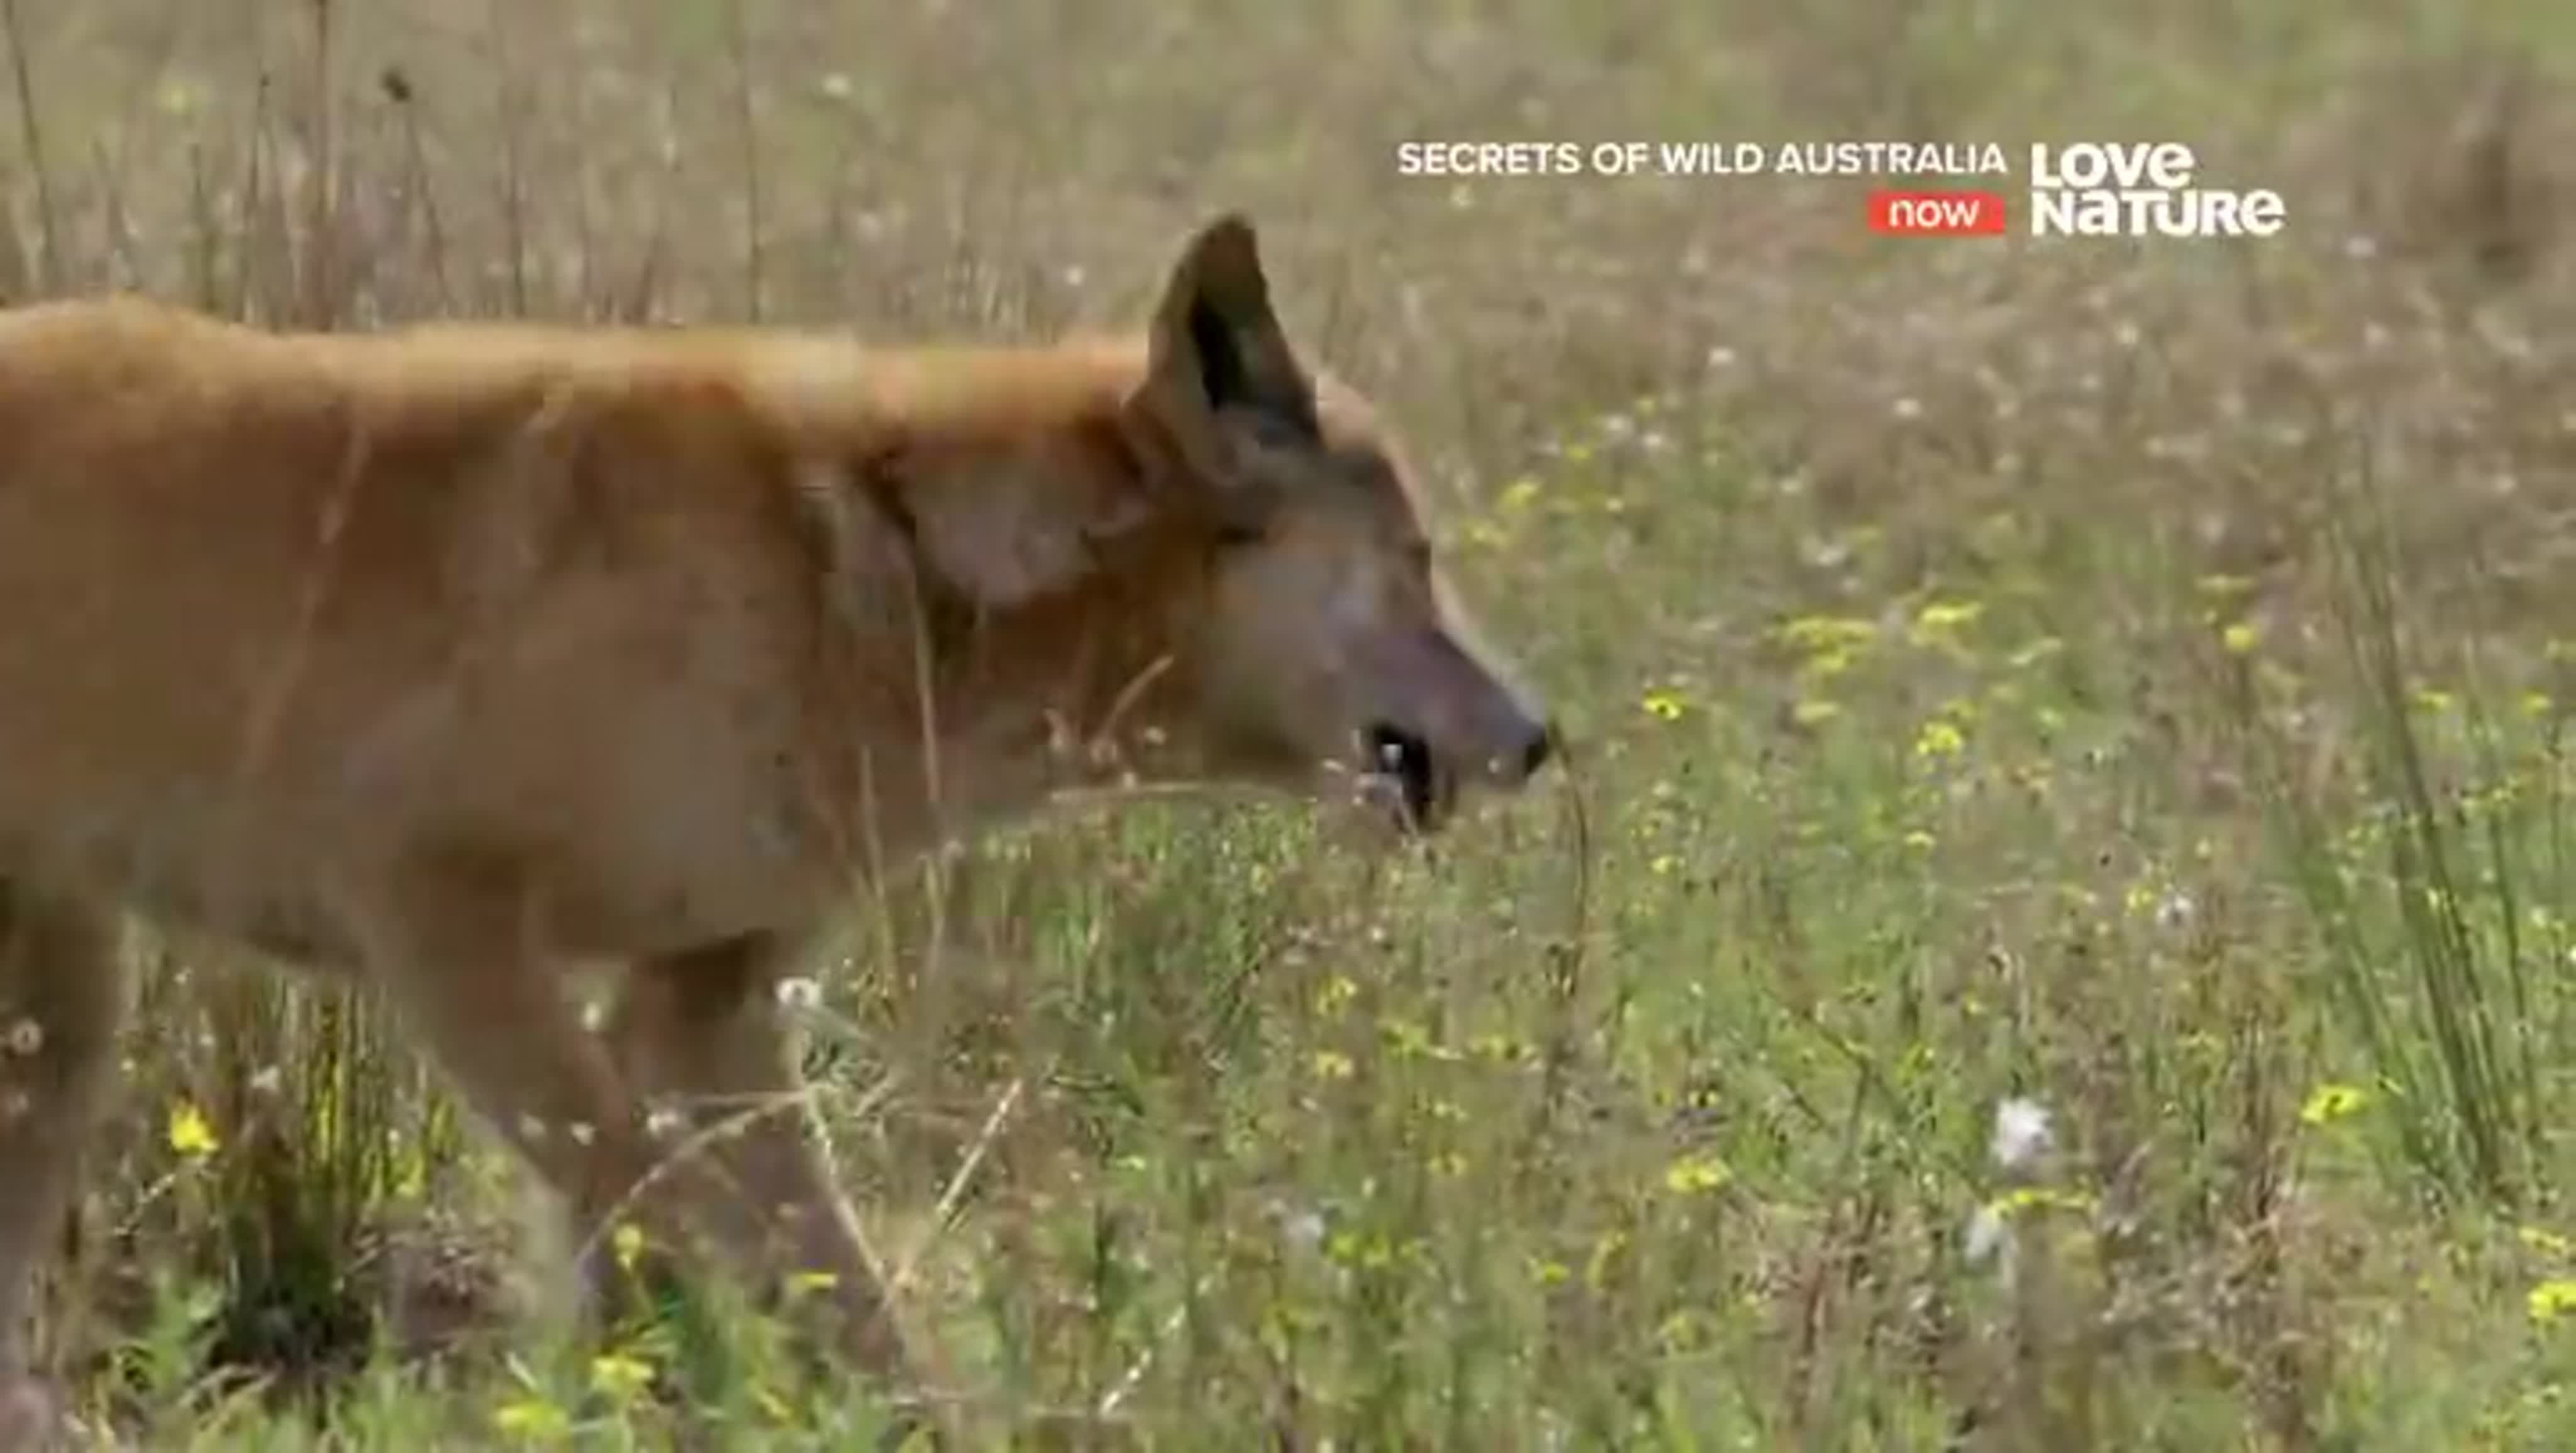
{"x":1937,"y":214}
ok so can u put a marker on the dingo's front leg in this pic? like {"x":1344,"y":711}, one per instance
{"x":704,"y":1036}
{"x":63,"y":993}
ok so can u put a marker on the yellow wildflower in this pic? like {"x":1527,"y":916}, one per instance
{"x":1940,"y":622}
{"x":190,"y":1133}
{"x":620,"y":1376}
{"x":808,"y":1283}
{"x":1693,"y":1174}
{"x":2552,"y":1299}
{"x":1940,"y":738}
{"x":1336,"y":995}
{"x":532,"y":1418}
{"x":1825,"y":635}
{"x":2332,"y":1102}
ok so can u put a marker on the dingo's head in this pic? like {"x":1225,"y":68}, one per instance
{"x":1326,"y":653}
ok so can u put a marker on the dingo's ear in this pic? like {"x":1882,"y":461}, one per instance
{"x":1217,"y":348}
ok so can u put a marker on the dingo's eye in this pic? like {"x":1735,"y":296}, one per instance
{"x":1239,"y":535}
{"x":1274,"y":434}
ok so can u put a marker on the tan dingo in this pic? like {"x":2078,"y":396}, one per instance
{"x":452,"y":655}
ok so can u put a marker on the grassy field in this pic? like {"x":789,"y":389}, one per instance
{"x":2057,"y":929}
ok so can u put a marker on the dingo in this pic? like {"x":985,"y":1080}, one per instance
{"x":453,"y":654}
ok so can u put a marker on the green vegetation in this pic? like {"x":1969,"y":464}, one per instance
{"x":2125,"y":681}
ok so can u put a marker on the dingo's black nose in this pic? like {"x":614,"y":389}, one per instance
{"x":1540,"y":747}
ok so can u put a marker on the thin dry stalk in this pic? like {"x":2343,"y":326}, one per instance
{"x":31,"y":132}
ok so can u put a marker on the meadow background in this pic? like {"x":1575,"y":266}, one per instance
{"x":2119,"y":684}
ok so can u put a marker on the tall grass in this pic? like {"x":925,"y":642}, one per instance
{"x":2432,"y":876}
{"x":1990,"y":711}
